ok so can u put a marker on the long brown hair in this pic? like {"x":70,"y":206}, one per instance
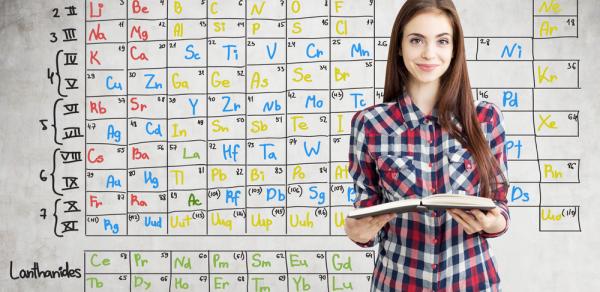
{"x":455,"y":95}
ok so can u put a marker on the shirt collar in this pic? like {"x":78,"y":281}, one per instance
{"x":413,"y":116}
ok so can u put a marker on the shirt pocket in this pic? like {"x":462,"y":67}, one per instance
{"x":461,"y":171}
{"x":397,"y":176}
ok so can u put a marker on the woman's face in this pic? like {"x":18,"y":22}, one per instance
{"x":427,"y":47}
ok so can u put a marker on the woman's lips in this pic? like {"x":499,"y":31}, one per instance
{"x":427,"y":67}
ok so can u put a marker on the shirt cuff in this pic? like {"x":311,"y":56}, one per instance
{"x":492,"y":235}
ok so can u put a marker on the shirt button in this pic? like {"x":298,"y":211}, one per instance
{"x":430,"y":164}
{"x":434,"y":266}
{"x":430,"y":141}
{"x":434,"y":240}
{"x":432,"y":190}
{"x":434,"y":214}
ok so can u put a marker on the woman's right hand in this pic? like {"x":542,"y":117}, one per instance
{"x":364,"y":229}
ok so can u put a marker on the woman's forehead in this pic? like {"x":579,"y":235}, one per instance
{"x":429,"y":24}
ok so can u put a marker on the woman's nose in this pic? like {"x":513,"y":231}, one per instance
{"x":428,"y":51}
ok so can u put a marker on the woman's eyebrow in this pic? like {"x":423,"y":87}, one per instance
{"x":437,"y":36}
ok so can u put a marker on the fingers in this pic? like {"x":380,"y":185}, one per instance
{"x":469,"y":222}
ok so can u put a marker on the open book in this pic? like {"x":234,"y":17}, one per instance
{"x":433,"y":202}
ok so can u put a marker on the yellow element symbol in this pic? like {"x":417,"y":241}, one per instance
{"x":183,"y":223}
{"x":218,"y":128}
{"x":217,"y":173}
{"x":296,"y":6}
{"x":340,"y":75}
{"x":338,"y":5}
{"x":545,"y":7}
{"x":341,"y":27}
{"x":345,"y":265}
{"x":258,"y":262}
{"x":213,"y":10}
{"x":341,"y":172}
{"x":257,"y":10}
{"x":216,"y":82}
{"x":179,"y":176}
{"x":264,"y":223}
{"x":178,"y":84}
{"x":219,"y":26}
{"x":546,"y":29}
{"x":298,"y":173}
{"x":340,"y":118}
{"x":256,"y":174}
{"x":218,"y":221}
{"x":301,"y":125}
{"x":257,"y":82}
{"x":103,"y":262}
{"x":542,"y":76}
{"x":178,"y":30}
{"x":259,"y":126}
{"x":178,"y":133}
{"x":296,"y":261}
{"x":339,"y":219}
{"x":220,"y":283}
{"x":177,"y":7}
{"x":296,"y":28}
{"x":548,"y":216}
{"x":545,"y":122}
{"x":255,"y":27}
{"x":295,"y":221}
{"x":301,"y":76}
{"x":551,"y":172}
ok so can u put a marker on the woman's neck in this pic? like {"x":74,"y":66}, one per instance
{"x":424,"y":95}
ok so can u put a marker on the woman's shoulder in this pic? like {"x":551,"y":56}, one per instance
{"x":488,"y":112}
{"x":373,"y":112}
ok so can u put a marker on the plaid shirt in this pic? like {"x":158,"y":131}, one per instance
{"x":396,"y":152}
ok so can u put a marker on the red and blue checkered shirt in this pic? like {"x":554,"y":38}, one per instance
{"x":396,"y":152}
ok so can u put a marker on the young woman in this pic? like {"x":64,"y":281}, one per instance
{"x":429,"y":137}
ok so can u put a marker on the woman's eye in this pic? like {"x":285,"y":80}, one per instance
{"x":444,"y":41}
{"x":415,"y":41}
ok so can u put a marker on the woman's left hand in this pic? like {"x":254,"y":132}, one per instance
{"x":476,"y":220}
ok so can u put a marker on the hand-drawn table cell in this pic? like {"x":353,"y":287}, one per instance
{"x":381,"y":54}
{"x":272,"y":282}
{"x":105,"y":107}
{"x":518,"y":123}
{"x":556,"y":74}
{"x":471,"y":46}
{"x":520,"y":147}
{"x":105,"y":56}
{"x":226,"y":151}
{"x":226,"y":198}
{"x":109,"y":131}
{"x":309,"y":194}
{"x":105,"y":10}
{"x":147,"y":223}
{"x":149,"y":179}
{"x":147,"y":81}
{"x":314,"y":27}
{"x":188,"y":106}
{"x":563,"y":7}
{"x":266,"y":262}
{"x":345,"y":282}
{"x":501,"y":74}
{"x":227,"y":262}
{"x":227,"y":9}
{"x":189,"y":152}
{"x":147,"y":130}
{"x":150,"y":262}
{"x":188,"y":53}
{"x":186,"y":80}
{"x":559,"y":170}
{"x":313,"y":75}
{"x":106,"y":83}
{"x":190,"y":282}
{"x":266,"y":9}
{"x":266,"y":28}
{"x":345,"y":74}
{"x":342,"y":194}
{"x":107,"y":282}
{"x":339,"y":153}
{"x":303,"y":101}
{"x":262,"y":104}
{"x":151,"y":154}
{"x":523,"y":194}
{"x":192,"y":262}
{"x":226,"y":104}
{"x":99,"y":203}
{"x":338,"y":219}
{"x":307,"y":50}
{"x":300,"y":262}
{"x":100,"y":156}
{"x":146,"y":106}
{"x":181,"y":130}
{"x":187,"y":177}
{"x":508,"y":99}
{"x":147,"y":9}
{"x":146,"y":202}
{"x":345,"y":102}
{"x":228,"y":282}
{"x":106,"y":225}
{"x":266,"y":221}
{"x":106,"y":262}
{"x":187,"y":9}
{"x":188,"y":223}
{"x":262,"y":78}
{"x":555,"y":27}
{"x":343,"y":49}
{"x":226,"y":80}
{"x":226,"y":222}
{"x":522,"y":171}
{"x":150,"y":282}
{"x":140,"y":30}
{"x":180,"y":29}
{"x":504,"y":49}
{"x":306,"y":173}
{"x":110,"y":31}
{"x":349,"y":262}
{"x":188,"y":200}
{"x":353,"y":8}
{"x":226,"y":52}
{"x":348,"y":27}
{"x":559,"y":218}
{"x":266,"y":151}
{"x":307,"y":282}
{"x":266,"y":195}
{"x":309,"y":149}
{"x":308,"y":221}
{"x":304,"y":125}
{"x":557,"y":124}
{"x":266,"y":51}
{"x":148,"y":54}
{"x":106,"y":180}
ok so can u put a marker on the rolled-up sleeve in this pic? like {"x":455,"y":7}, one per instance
{"x":494,"y":132}
{"x":362,"y":169}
